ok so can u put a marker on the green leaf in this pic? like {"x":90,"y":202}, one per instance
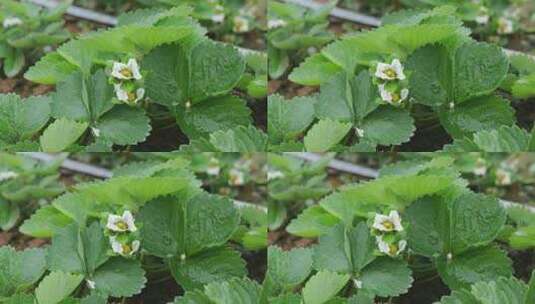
{"x":77,"y":249}
{"x":287,"y":269}
{"x":233,"y":291}
{"x":323,"y":286}
{"x":215,"y":69}
{"x":483,"y":113}
{"x":56,"y":287}
{"x":325,"y":134}
{"x":428,"y":229}
{"x":524,"y":87}
{"x":278,"y":62}
{"x":459,"y":297}
{"x":530,"y":293}
{"x":503,"y":139}
{"x":386,"y":277}
{"x":213,"y":265}
{"x":19,"y":270}
{"x":430,"y":77}
{"x":287,"y":119}
{"x":124,"y":125}
{"x":20,"y":298}
{"x":45,"y":222}
{"x":312,"y":222}
{"x":215,"y":114}
{"x":14,"y":62}
{"x":50,"y":69}
{"x":21,"y":119}
{"x":173,"y":227}
{"x":479,"y":70}
{"x":331,"y":253}
{"x":120,"y":277}
{"x":239,"y":139}
{"x":315,"y":70}
{"x":61,"y":134}
{"x":388,"y":126}
{"x":503,"y":290}
{"x":480,"y":264}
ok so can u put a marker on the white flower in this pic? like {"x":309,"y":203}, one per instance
{"x":449,"y":256}
{"x":126,"y":71}
{"x":483,"y":16}
{"x":275,"y":23}
{"x":393,"y":98}
{"x":183,"y":257}
{"x":124,"y":249}
{"x":213,"y":167}
{"x":241,"y":24}
{"x":452,"y":105}
{"x":90,"y":284}
{"x":122,"y":223}
{"x":11,"y":21}
{"x":390,"y":249}
{"x":128,"y":97}
{"x":219,"y":15}
{"x":505,"y":26}
{"x":360,"y":132}
{"x":274,"y":174}
{"x":358,"y":283}
{"x":390,"y":71}
{"x":388,"y":223}
{"x":481,"y":168}
{"x":503,"y":177}
{"x":236,"y":177}
{"x":6,"y":175}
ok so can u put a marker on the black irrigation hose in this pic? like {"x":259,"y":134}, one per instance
{"x":371,"y":173}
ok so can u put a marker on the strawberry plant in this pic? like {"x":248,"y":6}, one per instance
{"x":293,"y":29}
{"x":379,"y":88}
{"x":27,"y":31}
{"x":387,"y":238}
{"x":150,"y":223}
{"x":156,"y":70}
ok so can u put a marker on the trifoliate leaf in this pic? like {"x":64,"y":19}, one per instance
{"x":287,"y":269}
{"x":386,"y":277}
{"x":56,"y":287}
{"x":214,"y":114}
{"x":120,"y":277}
{"x":211,"y":221}
{"x":480,"y":264}
{"x":312,"y":222}
{"x":19,"y":270}
{"x":239,"y":139}
{"x":21,"y":119}
{"x":325,"y":134}
{"x":479,"y":69}
{"x":323,"y":286}
{"x":388,"y":126}
{"x":124,"y":125}
{"x":213,"y":265}
{"x":61,"y":134}
{"x":483,"y":113}
{"x":287,"y":119}
{"x":78,"y":250}
{"x":45,"y":222}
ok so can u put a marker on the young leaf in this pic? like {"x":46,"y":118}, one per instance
{"x":325,"y":134}
{"x":61,"y":134}
{"x":323,"y":286}
{"x":56,"y":287}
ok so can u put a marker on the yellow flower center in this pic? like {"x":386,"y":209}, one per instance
{"x":392,"y":249}
{"x":122,"y":225}
{"x":131,"y":96}
{"x":126,"y":248}
{"x":390,"y":73}
{"x":126,"y":72}
{"x":388,"y":225}
{"x":395,"y":97}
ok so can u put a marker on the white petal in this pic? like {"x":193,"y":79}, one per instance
{"x":139,"y":94}
{"x":360,"y":132}
{"x":134,"y":67}
{"x":398,"y":68}
{"x":117,"y":68}
{"x":90,"y":284}
{"x":11,"y":21}
{"x":401,"y":246}
{"x":382,"y":245}
{"x":112,"y":223}
{"x":116,"y":247}
{"x":396,"y":220}
{"x":358,"y":283}
{"x":128,"y":218}
{"x":6,"y":175}
{"x":135,"y":247}
{"x":95,"y":131}
{"x":385,"y":95}
{"x":404,"y":94}
{"x":378,"y":221}
{"x":380,"y":71}
{"x":121,"y":94}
